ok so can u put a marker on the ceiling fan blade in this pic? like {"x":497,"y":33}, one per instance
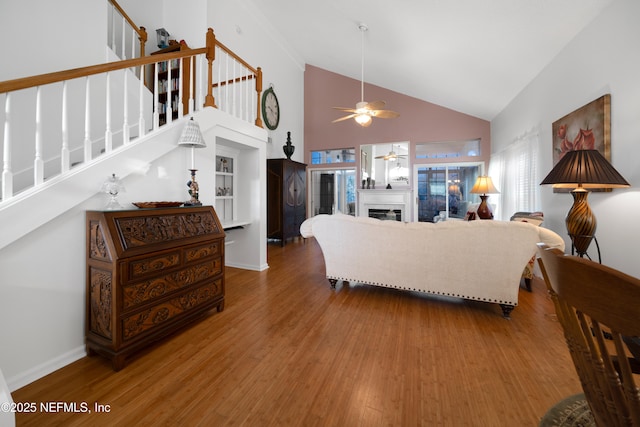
{"x":351,"y":110}
{"x":350,"y":116}
{"x":385,"y":114}
{"x":375,"y":105}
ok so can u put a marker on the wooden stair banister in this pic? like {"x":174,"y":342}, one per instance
{"x":257,"y":74}
{"x":60,"y":76}
{"x":142,"y":32}
{"x":240,"y":105}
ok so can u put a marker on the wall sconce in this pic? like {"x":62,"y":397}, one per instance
{"x":581,"y":170}
{"x":483,"y":186}
{"x":191,"y":137}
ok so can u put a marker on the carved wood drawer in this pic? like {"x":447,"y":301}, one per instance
{"x":141,"y":292}
{"x":152,"y":317}
{"x":149,"y":266}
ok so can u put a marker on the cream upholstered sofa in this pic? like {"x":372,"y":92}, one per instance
{"x":478,"y":260}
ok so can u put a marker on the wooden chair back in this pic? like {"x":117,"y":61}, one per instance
{"x":599,"y":310}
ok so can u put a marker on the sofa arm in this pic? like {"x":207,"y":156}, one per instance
{"x":550,"y":238}
{"x":306,"y":228}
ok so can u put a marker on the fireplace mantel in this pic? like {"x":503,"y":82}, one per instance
{"x":385,"y":199}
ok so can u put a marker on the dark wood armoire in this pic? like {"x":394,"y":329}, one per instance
{"x":286,"y":198}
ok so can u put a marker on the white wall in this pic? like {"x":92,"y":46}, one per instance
{"x":42,"y":275}
{"x":604,"y":58}
{"x":38,"y":43}
{"x":239,"y":27}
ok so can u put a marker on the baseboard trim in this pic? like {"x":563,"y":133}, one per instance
{"x":247,"y":266}
{"x":39,"y":371}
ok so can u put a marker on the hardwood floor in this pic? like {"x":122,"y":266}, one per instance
{"x":288,"y":350}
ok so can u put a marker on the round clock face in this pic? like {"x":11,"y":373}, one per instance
{"x":270,"y":109}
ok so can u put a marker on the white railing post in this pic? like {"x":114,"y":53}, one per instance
{"x":87,"y":123}
{"x":64,"y":154}
{"x":38,"y":163}
{"x":169,"y":110}
{"x":192,"y":78}
{"x":124,"y":38}
{"x":201,"y":87}
{"x":156,"y":107}
{"x":179,"y":81}
{"x":7,"y":175}
{"x":134,"y":53}
{"x":125,"y":109}
{"x":226,"y":86}
{"x":234,"y":109}
{"x":108,"y":134}
{"x":124,"y":41}
{"x":141,"y":124}
{"x":113,"y":29}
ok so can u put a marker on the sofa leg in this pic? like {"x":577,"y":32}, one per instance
{"x":527,"y":283}
{"x":506,"y":310}
{"x":333,"y":283}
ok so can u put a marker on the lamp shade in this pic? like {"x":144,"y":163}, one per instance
{"x":484,"y":185}
{"x":191,"y":136}
{"x":581,"y":170}
{"x":586,"y":169}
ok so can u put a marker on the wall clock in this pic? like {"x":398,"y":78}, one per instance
{"x":270,"y":108}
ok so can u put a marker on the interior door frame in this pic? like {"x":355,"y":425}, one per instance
{"x":310,"y":184}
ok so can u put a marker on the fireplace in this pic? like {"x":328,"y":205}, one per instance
{"x":386,"y":214}
{"x":385,"y":204}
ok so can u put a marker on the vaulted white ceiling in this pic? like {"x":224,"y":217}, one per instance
{"x":473,"y":56}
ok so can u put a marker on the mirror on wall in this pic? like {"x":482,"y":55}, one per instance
{"x":385,"y":164}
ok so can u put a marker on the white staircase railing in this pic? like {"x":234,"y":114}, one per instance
{"x":75,"y":116}
{"x":125,"y":38}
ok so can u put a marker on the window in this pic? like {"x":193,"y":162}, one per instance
{"x":342,"y":155}
{"x":515,"y":173}
{"x":448,"y":150}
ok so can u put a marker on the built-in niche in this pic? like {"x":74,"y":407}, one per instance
{"x":383,"y":165}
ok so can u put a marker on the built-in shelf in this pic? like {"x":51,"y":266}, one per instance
{"x":226,"y":184}
{"x":235,"y":224}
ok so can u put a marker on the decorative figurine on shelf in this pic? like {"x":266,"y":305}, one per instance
{"x":224,"y":165}
{"x":193,"y":190}
{"x":113,"y":186}
{"x":288,"y":149}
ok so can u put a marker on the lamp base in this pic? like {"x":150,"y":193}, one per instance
{"x":484,"y":210}
{"x":581,"y":222}
{"x":193,"y":190}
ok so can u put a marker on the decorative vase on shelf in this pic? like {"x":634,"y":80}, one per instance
{"x":288,"y":149}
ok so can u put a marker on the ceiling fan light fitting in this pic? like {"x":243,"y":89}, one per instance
{"x":363,"y":119}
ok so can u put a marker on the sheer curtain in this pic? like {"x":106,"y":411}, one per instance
{"x":514,"y":172}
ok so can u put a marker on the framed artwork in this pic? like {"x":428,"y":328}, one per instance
{"x":587,"y":128}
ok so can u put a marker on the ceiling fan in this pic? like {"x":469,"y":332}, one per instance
{"x":364,"y":111}
{"x":391,"y":155}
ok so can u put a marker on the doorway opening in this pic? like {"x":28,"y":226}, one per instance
{"x":332,"y":190}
